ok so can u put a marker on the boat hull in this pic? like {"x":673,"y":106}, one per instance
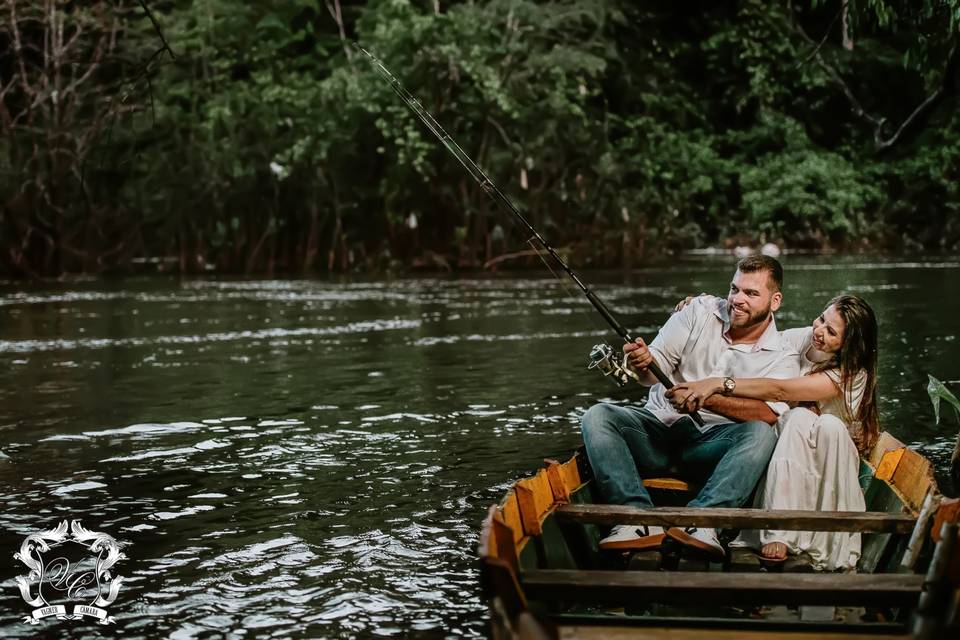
{"x":543,"y":572}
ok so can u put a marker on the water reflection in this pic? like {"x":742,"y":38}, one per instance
{"x":312,"y":459}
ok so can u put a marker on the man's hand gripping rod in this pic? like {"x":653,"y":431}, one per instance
{"x":602,"y":356}
{"x":604,"y":353}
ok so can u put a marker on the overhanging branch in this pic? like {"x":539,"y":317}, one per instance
{"x":947,"y":89}
{"x":156,"y":27}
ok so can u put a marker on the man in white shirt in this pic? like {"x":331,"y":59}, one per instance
{"x":732,"y":338}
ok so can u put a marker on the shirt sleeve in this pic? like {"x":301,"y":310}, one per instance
{"x":667,"y":347}
{"x":798,"y":339}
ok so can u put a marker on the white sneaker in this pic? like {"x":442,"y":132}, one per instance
{"x":702,"y":538}
{"x":632,"y":537}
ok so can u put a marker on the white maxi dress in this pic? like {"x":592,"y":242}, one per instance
{"x":815,"y":466}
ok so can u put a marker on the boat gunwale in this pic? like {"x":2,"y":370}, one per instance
{"x":905,"y":475}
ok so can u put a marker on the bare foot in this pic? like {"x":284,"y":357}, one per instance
{"x":774,"y":551}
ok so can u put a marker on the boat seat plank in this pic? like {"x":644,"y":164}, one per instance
{"x":669,"y":484}
{"x":631,"y":587}
{"x":605,"y":632}
{"x":868,"y":521}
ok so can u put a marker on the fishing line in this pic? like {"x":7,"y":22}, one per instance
{"x":602,"y":356}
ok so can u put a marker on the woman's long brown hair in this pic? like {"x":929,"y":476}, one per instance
{"x":857,"y":353}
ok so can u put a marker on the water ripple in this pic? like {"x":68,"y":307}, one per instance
{"x":312,"y":459}
{"x":32,"y":346}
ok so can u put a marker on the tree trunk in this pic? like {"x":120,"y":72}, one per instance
{"x":183,"y":251}
{"x":310,"y":251}
{"x":845,"y":23}
{"x":332,"y":254}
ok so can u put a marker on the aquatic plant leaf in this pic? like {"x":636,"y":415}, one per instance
{"x":938,"y":392}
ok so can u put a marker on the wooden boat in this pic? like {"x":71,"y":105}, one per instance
{"x":543,"y":575}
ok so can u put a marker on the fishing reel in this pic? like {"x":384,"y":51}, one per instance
{"x":604,"y":358}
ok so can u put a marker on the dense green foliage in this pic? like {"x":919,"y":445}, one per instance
{"x":623,"y":129}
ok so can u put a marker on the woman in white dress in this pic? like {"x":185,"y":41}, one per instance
{"x":817,"y":460}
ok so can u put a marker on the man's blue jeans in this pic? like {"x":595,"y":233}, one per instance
{"x":625,"y":444}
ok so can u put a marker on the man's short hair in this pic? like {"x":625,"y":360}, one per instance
{"x":752,"y":264}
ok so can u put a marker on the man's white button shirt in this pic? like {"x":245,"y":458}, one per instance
{"x":695,"y":344}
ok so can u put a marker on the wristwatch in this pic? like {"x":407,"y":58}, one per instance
{"x":729,"y":384}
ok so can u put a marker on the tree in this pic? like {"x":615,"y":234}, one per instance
{"x":65,"y":84}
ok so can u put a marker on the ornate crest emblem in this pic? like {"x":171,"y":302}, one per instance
{"x":69,"y":573}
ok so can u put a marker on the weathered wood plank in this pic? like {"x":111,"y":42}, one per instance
{"x":885,"y":442}
{"x":487,"y":545}
{"x":740,"y":518}
{"x":535,"y":498}
{"x":949,"y":511}
{"x":631,"y":587}
{"x":913,"y":478}
{"x":669,"y":484}
{"x":570,"y":471}
{"x":919,"y":535}
{"x":888,"y":464}
{"x":609,"y":632}
{"x":560,"y":491}
{"x":499,"y":565}
{"x":510,"y":511}
{"x":504,"y":547}
{"x":564,"y":478}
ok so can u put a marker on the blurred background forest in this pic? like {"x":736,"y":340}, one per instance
{"x":251,"y":137}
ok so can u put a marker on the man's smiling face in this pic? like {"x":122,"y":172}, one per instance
{"x":751,"y":299}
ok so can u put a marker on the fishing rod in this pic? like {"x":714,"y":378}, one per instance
{"x":602,"y":356}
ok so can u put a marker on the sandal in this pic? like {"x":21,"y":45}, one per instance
{"x":771,"y":562}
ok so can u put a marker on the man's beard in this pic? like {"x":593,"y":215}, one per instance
{"x":751,"y":320}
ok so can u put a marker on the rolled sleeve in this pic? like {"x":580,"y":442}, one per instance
{"x":667,"y":347}
{"x":778,"y":408}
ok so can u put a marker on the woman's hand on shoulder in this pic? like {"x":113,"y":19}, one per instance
{"x":680,"y":305}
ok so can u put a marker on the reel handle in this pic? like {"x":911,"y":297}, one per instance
{"x":603,"y":358}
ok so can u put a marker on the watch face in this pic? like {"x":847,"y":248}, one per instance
{"x":729,"y":384}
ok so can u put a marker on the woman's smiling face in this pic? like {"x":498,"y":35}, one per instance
{"x":828,"y":331}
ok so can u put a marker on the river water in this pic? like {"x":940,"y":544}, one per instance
{"x":307,"y":458}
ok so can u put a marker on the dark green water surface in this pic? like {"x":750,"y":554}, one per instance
{"x":313,"y":458}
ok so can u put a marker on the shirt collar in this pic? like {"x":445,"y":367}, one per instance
{"x":769,"y":340}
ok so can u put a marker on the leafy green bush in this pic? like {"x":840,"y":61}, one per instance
{"x":622,"y":129}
